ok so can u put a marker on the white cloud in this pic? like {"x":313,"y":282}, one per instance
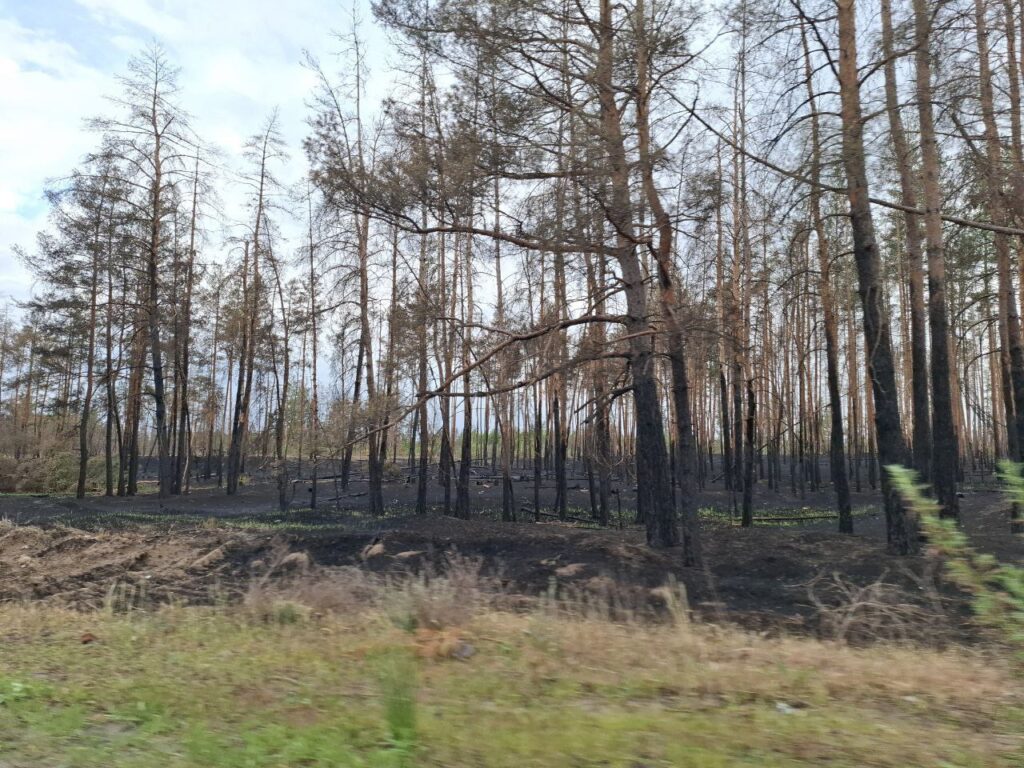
{"x":16,"y":229}
{"x":239,"y":60}
{"x":45,"y":93}
{"x":8,"y":197}
{"x":137,"y":12}
{"x":129,"y":44}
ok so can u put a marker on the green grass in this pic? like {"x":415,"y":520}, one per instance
{"x":292,"y":521}
{"x":301,"y":520}
{"x":221,"y":687}
{"x":764,"y":515}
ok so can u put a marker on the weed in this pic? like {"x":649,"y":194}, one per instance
{"x":870,"y":612}
{"x":397,"y":677}
{"x":123,"y":597}
{"x":12,"y":691}
{"x":440,"y":597}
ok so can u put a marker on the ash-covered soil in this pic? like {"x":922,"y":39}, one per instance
{"x":206,"y":546}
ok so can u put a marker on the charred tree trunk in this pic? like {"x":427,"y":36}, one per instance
{"x":945,"y":446}
{"x":900,"y":526}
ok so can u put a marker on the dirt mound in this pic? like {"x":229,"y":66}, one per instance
{"x":141,"y":566}
{"x":86,"y":570}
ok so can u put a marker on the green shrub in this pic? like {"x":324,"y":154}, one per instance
{"x":54,"y":471}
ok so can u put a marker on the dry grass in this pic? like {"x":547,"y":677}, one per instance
{"x":600,"y":622}
{"x":439,"y":596}
{"x":880,"y":610}
{"x":373,"y":669}
{"x":596,"y":623}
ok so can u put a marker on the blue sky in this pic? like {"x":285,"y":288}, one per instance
{"x":239,"y":60}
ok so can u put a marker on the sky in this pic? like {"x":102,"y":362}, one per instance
{"x":239,"y":60}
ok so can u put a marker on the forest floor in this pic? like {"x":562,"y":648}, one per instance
{"x":780,"y":575}
{"x":213,"y":631}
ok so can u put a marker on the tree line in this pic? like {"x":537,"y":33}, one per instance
{"x":651,"y":241}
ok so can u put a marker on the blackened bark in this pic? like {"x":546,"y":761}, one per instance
{"x":901,"y":528}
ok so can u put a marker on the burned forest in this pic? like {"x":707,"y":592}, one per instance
{"x":662,"y":317}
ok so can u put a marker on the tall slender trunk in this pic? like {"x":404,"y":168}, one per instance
{"x":945,"y":449}
{"x":212,"y":403}
{"x":423,"y":301}
{"x":314,"y":403}
{"x":837,"y":451}
{"x":723,"y":325}
{"x":685,"y":453}
{"x":374,"y":468}
{"x":183,"y":454}
{"x":901,"y":528}
{"x":504,"y":405}
{"x":350,"y":433}
{"x":422,"y":415}
{"x":283,"y":389}
{"x":466,"y":460}
{"x":252,"y":291}
{"x":133,"y":408}
{"x":654,"y":494}
{"x":90,"y":361}
{"x":113,"y":419}
{"x":748,"y":464}
{"x":153,"y":304}
{"x":740,"y":264}
{"x":998,"y":214}
{"x":389,"y":362}
{"x":246,"y":357}
{"x":921,"y":438}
